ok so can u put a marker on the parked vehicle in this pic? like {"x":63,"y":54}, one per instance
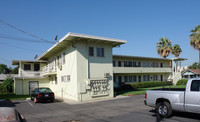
{"x":42,"y":94}
{"x":165,"y":100}
{"x":9,"y":114}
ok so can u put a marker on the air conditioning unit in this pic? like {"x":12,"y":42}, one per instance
{"x":107,"y":75}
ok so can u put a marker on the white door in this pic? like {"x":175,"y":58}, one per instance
{"x":33,"y":85}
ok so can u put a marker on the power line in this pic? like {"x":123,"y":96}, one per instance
{"x":19,"y":38}
{"x":25,"y":32}
{"x":20,"y":47}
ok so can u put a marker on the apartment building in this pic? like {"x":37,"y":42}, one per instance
{"x":82,"y":67}
{"x":130,"y":69}
{"x":77,"y":67}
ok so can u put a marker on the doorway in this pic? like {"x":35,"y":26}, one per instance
{"x":33,"y":85}
{"x":36,"y":67}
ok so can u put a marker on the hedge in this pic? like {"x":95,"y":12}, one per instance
{"x":146,"y":84}
{"x":182,"y":82}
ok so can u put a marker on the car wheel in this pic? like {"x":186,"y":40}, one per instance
{"x":164,"y":109}
{"x":52,"y":100}
{"x":35,"y":100}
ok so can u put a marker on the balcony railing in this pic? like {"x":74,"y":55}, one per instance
{"x":142,"y":69}
{"x":47,"y":70}
{"x":30,"y":74}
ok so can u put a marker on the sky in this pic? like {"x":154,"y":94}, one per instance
{"x":141,"y":22}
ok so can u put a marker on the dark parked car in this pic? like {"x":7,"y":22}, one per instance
{"x":42,"y":94}
{"x":9,"y":114}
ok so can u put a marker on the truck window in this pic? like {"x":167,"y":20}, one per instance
{"x":195,"y":85}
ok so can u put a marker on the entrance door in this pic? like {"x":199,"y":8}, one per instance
{"x":36,"y":67}
{"x":33,"y":85}
{"x":161,"y":78}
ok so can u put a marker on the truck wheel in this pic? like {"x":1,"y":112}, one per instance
{"x":164,"y":109}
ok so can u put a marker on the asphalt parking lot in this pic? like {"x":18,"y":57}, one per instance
{"x":130,"y":109}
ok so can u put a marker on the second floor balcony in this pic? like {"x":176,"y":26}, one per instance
{"x":48,"y":70}
{"x":142,"y":69}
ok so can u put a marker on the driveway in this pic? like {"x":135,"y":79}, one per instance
{"x":130,"y":109}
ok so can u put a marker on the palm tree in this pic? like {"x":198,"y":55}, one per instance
{"x":164,"y":47}
{"x":195,"y":39}
{"x":176,"y":50}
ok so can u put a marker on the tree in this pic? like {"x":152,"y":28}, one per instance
{"x":195,"y":39}
{"x":176,"y":50}
{"x":164,"y":47}
{"x":194,"y":66}
{"x":4,"y":69}
{"x":7,"y":86}
{"x":15,"y":70}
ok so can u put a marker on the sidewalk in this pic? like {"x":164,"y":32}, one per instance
{"x":73,"y":102}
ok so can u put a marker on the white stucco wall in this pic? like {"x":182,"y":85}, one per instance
{"x":66,"y":89}
{"x":93,"y":67}
{"x":22,"y":85}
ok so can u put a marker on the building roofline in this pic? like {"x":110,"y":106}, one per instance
{"x":16,"y":62}
{"x":67,"y":37}
{"x":128,"y":56}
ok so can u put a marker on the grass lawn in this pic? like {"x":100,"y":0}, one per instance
{"x":143,"y":90}
{"x":11,"y":96}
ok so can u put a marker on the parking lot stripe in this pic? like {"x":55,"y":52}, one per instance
{"x":29,"y":103}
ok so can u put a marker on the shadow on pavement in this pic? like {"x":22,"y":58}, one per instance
{"x":177,"y":114}
{"x":7,"y":103}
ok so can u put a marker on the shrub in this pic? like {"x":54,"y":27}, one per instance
{"x":7,"y":86}
{"x":147,"y":84}
{"x":150,"y":84}
{"x":182,"y":82}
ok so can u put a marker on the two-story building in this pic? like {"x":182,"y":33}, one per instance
{"x":82,"y":67}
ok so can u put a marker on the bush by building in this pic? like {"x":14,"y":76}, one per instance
{"x":182,"y":82}
{"x":7,"y":86}
{"x":148,"y":84}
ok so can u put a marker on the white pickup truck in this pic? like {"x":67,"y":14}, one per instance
{"x":165,"y":100}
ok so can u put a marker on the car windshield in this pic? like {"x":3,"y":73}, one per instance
{"x":44,"y":90}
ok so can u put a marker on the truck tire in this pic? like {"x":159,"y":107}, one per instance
{"x":164,"y":109}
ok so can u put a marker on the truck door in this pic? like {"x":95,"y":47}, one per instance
{"x":192,"y":97}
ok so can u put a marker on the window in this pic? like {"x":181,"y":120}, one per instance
{"x":27,"y":67}
{"x":130,"y":78}
{"x":119,"y":63}
{"x":63,"y":78}
{"x":145,"y":77}
{"x":195,"y":85}
{"x":56,"y":80}
{"x":125,"y":63}
{"x":59,"y":61}
{"x":134,"y":78}
{"x":114,"y":63}
{"x":100,"y":52}
{"x":68,"y":77}
{"x":146,"y":64}
{"x":63,"y":58}
{"x":155,"y":64}
{"x":125,"y":78}
{"x":91,"y":51}
{"x":134,"y":64}
{"x":155,"y":77}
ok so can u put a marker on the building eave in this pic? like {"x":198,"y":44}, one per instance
{"x":71,"y":39}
